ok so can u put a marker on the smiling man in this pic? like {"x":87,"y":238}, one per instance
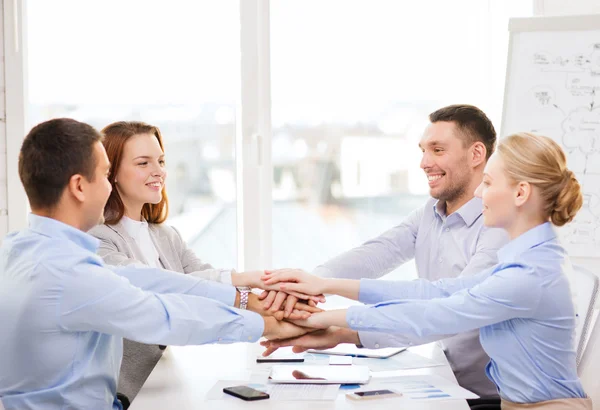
{"x":446,"y":237}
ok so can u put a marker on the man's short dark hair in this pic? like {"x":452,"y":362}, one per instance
{"x":471,"y":122}
{"x":51,"y":154}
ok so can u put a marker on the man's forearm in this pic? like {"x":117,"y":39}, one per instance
{"x":349,"y":336}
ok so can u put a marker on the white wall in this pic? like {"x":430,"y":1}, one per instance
{"x":563,"y":7}
{"x":13,"y":202}
{"x":3,"y":195}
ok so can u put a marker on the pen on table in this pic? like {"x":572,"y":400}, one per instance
{"x":281,"y":360}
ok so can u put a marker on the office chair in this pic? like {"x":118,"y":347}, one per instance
{"x":586,"y":287}
{"x":590,"y":362}
{"x":124,"y":400}
{"x":484,"y":404}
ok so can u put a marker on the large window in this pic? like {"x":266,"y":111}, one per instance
{"x":171,"y":64}
{"x":334,"y":96}
{"x":353,"y":83}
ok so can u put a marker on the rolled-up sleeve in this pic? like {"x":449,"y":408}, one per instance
{"x":96,"y":299}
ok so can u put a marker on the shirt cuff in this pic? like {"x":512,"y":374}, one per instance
{"x":253,"y":328}
{"x":376,"y":340}
{"x":370,"y":340}
{"x":225,"y":276}
{"x":355,"y":317}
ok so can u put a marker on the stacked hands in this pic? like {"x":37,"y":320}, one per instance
{"x":292,"y":318}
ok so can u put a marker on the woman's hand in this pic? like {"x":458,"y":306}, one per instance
{"x":300,"y":310}
{"x":295,"y":282}
{"x":253,"y":279}
{"x":276,"y":329}
{"x":275,"y":301}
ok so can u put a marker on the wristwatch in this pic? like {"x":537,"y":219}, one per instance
{"x":244,"y":291}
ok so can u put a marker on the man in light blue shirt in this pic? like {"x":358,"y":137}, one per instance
{"x":64,"y":313}
{"x":445,"y":237}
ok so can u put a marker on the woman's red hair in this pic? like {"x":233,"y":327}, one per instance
{"x":115,"y":137}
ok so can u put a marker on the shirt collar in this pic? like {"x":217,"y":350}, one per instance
{"x":53,"y":228}
{"x":530,"y":239}
{"x":469,"y":212}
{"x":132,"y":226}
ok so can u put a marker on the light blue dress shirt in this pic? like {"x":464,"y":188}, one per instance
{"x":63,"y":314}
{"x":443,"y":246}
{"x":523,"y":307}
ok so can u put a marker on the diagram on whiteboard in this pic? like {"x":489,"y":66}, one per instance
{"x":554,"y":89}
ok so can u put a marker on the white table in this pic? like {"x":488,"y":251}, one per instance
{"x":184,"y":375}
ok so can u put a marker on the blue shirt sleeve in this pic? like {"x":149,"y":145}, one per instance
{"x":483,"y":260}
{"x":163,"y":281}
{"x":508,"y":293}
{"x":374,"y":291}
{"x":378,"y":340}
{"x":93,"y":298}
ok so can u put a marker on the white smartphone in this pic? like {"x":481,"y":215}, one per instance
{"x":372,"y":394}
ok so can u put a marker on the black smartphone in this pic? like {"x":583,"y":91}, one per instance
{"x":279,"y":360}
{"x":246,"y":393}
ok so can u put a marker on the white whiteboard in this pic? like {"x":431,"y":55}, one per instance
{"x":553,"y":88}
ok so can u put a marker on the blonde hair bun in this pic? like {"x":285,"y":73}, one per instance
{"x":542,"y":162}
{"x":569,"y":200}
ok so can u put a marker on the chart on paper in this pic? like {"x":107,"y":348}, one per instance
{"x":425,"y":387}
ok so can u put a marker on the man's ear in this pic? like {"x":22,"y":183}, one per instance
{"x":75,"y":187}
{"x":522,"y":193}
{"x":478,"y":153}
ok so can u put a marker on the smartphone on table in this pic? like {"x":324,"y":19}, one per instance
{"x":372,"y":394}
{"x":246,"y":393}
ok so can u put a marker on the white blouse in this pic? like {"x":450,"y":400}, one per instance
{"x":140,"y":233}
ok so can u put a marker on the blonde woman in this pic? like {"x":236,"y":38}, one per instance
{"x":523,"y":305}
